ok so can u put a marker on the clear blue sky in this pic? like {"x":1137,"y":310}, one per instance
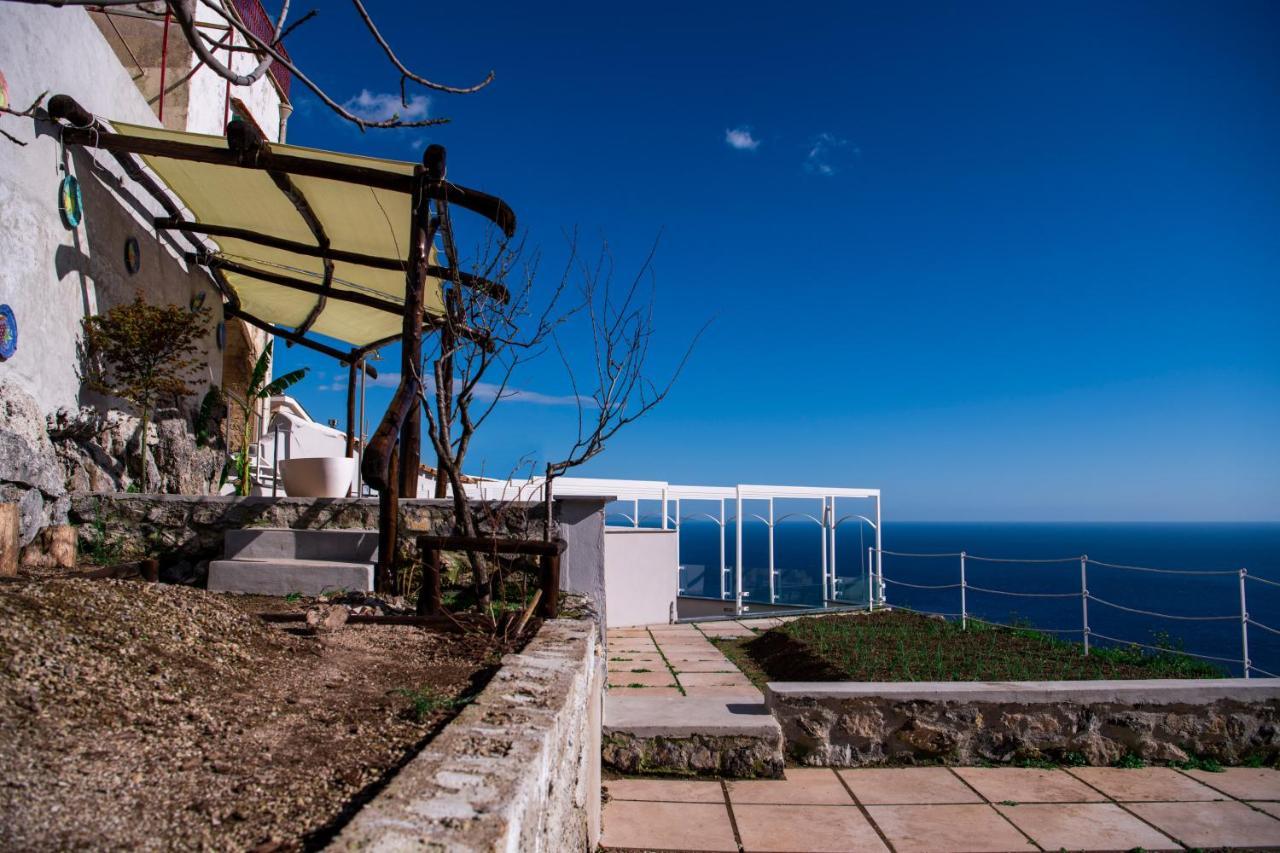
{"x":1002,"y":260}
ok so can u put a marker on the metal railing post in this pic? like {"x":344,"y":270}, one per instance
{"x":964,"y":609}
{"x":834,"y":588}
{"x":1244,"y":626}
{"x":724,"y":592}
{"x":822,"y":525}
{"x":635,"y":510}
{"x":773,"y":587}
{"x":275,"y":463}
{"x":737,"y":577}
{"x":879,"y":549}
{"x":1084,"y":601}
{"x":664,"y":507}
{"x":871,"y":576}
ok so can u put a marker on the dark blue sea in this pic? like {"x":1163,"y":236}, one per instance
{"x":1174,"y":547}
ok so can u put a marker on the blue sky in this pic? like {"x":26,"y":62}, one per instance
{"x":1001,"y":260}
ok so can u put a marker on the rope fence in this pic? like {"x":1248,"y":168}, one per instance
{"x":1085,"y":597}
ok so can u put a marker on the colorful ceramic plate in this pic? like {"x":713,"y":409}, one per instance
{"x":70,"y":204}
{"x":8,"y":332}
{"x":132,"y":255}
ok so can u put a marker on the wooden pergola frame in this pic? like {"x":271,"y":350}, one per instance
{"x":392,"y":458}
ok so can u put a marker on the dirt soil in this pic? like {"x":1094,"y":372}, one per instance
{"x":900,"y":646}
{"x":146,"y":716}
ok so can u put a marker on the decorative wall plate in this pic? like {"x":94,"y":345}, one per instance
{"x":132,"y":255}
{"x":70,"y":203}
{"x":8,"y":332}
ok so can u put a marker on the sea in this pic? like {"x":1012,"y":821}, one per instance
{"x":1015,"y":572}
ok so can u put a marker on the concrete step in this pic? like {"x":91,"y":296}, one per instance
{"x":283,"y":543}
{"x":282,"y":577}
{"x":690,"y":736}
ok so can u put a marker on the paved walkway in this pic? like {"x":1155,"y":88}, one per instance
{"x":678,"y":660}
{"x":945,"y":809}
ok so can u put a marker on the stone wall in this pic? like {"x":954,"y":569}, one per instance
{"x":854,"y":724}
{"x":519,"y":769}
{"x":188,"y":529}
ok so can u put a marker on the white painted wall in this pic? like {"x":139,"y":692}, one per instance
{"x":53,"y":276}
{"x":641,"y":576}
{"x":207,"y":110}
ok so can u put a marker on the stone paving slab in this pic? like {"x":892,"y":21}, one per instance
{"x":936,"y":809}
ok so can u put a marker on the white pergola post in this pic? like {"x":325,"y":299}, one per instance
{"x":724,"y":592}
{"x":879,"y":553}
{"x":773,"y":590}
{"x":834,"y":524}
{"x":822,"y":601}
{"x":737,"y":582}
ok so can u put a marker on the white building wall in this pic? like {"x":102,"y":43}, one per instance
{"x":641,"y":575}
{"x":52,"y":276}
{"x":207,"y":111}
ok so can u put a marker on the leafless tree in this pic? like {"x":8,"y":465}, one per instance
{"x":619,"y":389}
{"x":269,"y":50}
{"x":483,"y":340}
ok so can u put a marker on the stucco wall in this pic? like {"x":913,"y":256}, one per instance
{"x":642,"y":575}
{"x":53,"y":276}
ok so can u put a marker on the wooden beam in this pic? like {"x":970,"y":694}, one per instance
{"x":490,"y":288}
{"x":353,"y":296}
{"x":353,"y":373}
{"x":83,"y":133}
{"x":492,"y":545}
{"x":288,"y":334}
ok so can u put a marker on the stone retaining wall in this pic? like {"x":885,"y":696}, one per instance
{"x":189,"y":528}
{"x":519,"y":769}
{"x":854,"y":724}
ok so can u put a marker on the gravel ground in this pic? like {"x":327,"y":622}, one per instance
{"x":146,"y":716}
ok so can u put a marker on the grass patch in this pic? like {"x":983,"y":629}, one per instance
{"x":425,"y":701}
{"x":900,"y":646}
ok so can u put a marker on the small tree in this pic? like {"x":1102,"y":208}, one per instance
{"x":259,"y":389}
{"x":140,"y":353}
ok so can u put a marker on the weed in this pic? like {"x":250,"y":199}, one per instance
{"x":1038,"y":763}
{"x":293,"y":597}
{"x":1129,"y":761}
{"x":1074,"y":759}
{"x":1208,"y":765}
{"x":425,"y":701}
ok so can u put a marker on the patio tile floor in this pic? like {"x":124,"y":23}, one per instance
{"x":937,"y":809}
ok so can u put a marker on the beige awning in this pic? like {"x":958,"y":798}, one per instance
{"x":357,"y":219}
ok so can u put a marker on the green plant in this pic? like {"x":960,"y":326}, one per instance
{"x":1208,"y":765}
{"x":293,"y":597}
{"x":1074,"y":759}
{"x":258,"y":389}
{"x":140,"y":353}
{"x":207,"y":415}
{"x":425,"y":701}
{"x":1129,"y":761}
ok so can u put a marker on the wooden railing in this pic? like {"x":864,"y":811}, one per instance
{"x":430,"y":596}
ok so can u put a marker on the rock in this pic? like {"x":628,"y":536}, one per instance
{"x":326,"y":617}
{"x":54,"y":546}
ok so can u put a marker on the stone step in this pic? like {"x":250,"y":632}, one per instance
{"x":283,"y":543}
{"x":283,"y":577}
{"x":690,"y":736}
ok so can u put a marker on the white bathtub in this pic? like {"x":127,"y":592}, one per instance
{"x":318,"y":476}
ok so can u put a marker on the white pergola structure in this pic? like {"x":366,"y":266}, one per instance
{"x":670,"y":496}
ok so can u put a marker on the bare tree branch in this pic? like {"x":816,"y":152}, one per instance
{"x":268,"y":53}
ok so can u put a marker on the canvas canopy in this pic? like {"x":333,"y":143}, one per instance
{"x":356,"y":219}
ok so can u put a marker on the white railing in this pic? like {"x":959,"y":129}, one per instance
{"x":1241,"y":617}
{"x":671,"y":497}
